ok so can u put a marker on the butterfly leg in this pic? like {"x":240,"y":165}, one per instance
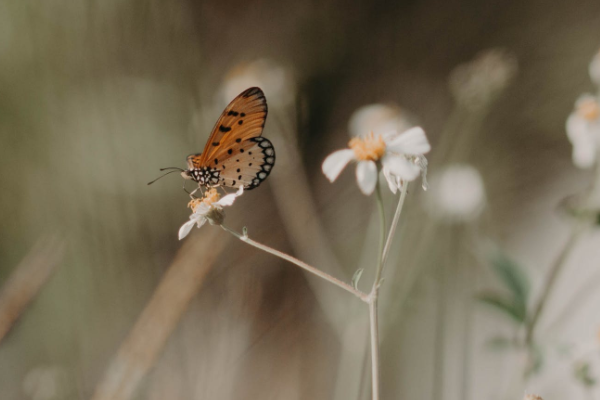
{"x":194,"y":191}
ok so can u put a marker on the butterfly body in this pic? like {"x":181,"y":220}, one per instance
{"x":235,"y":153}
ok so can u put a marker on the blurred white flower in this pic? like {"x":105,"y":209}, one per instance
{"x":457,"y":194}
{"x":400,"y":155}
{"x":477,"y":83}
{"x":209,"y":208}
{"x":595,"y":69}
{"x":45,"y":383}
{"x":583,"y":130}
{"x":275,"y":81}
{"x":379,"y":119}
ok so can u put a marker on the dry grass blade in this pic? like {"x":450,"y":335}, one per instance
{"x":159,"y":318}
{"x":27,"y":280}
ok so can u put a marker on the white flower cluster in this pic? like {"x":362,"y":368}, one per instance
{"x":583,"y":125}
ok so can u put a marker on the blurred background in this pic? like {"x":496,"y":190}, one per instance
{"x":100,"y":300}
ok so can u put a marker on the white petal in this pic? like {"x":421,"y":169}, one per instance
{"x":335,"y":163}
{"x":379,"y":119}
{"x":201,"y":210}
{"x":412,"y":142}
{"x":584,"y":155}
{"x":240,"y":191}
{"x":391,"y":180}
{"x":185,"y":229}
{"x":200,"y":222}
{"x":401,"y":167}
{"x":366,"y":176}
{"x":581,"y":134}
{"x":227,"y":200}
{"x":577,"y":128}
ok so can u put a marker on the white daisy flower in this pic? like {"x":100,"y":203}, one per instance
{"x":209,"y":208}
{"x":400,"y":156}
{"x":583,"y":130}
{"x":595,"y":69}
{"x":457,"y":194}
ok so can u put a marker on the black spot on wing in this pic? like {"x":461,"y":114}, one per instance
{"x":224,"y":128}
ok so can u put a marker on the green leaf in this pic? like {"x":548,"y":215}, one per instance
{"x":583,"y":374}
{"x":356,"y":277}
{"x":513,"y":276}
{"x":507,"y":306}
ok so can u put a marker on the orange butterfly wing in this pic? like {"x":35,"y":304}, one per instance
{"x":235,"y":148}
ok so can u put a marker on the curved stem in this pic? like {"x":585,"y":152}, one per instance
{"x":301,"y":264}
{"x":557,"y":266}
{"x":392,"y":232}
{"x":381,"y":250}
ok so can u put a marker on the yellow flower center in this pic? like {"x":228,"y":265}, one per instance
{"x":369,"y":148}
{"x":589,"y":109}
{"x":210,"y":196}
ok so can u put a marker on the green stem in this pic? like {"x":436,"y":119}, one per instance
{"x":396,"y":219}
{"x":301,"y":264}
{"x":374,"y":347}
{"x":381,"y":250}
{"x":555,"y":270}
{"x":373,"y":312}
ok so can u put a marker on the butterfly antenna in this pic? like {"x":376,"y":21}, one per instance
{"x":170,"y":172}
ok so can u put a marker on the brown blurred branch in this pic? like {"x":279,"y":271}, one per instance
{"x":160,"y":317}
{"x":27,"y":280}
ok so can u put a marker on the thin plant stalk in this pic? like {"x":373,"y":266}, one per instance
{"x":390,"y":237}
{"x":373,"y":317}
{"x":372,"y":297}
{"x":374,"y":294}
{"x":301,"y":264}
{"x":381,"y":251}
{"x":555,"y":270}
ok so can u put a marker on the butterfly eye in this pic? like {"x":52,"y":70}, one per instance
{"x":186,"y":175}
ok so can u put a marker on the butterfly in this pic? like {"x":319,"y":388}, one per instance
{"x":235,"y":154}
